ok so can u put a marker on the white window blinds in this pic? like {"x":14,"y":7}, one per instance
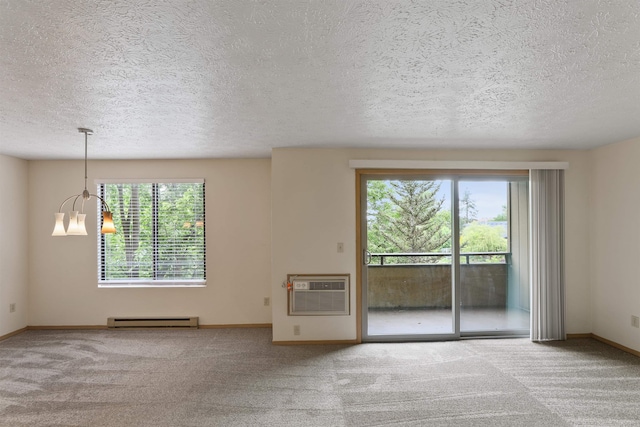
{"x":547,"y":255}
{"x":160,"y":237}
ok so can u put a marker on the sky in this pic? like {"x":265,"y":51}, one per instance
{"x":489,"y":196}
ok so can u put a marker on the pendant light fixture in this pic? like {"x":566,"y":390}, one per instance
{"x":76,"y":225}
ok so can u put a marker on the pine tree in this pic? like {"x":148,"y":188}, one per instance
{"x":412,"y":226}
{"x":468,"y":209}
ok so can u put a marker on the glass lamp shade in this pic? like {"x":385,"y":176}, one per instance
{"x":74,"y":228}
{"x":81,"y":225}
{"x":107,"y":223}
{"x":58,"y":229}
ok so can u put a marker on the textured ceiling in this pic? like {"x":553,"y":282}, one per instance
{"x":211,"y":79}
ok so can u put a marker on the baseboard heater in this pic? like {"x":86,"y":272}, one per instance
{"x":152,"y":322}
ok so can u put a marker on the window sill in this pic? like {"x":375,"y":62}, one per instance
{"x":156,"y":285}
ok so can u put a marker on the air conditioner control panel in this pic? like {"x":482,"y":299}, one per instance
{"x":297,"y":285}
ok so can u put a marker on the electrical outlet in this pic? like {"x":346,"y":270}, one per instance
{"x":267,"y":301}
{"x":12,"y":307}
{"x":340,"y":247}
{"x":635,"y":321}
{"x":296,"y":329}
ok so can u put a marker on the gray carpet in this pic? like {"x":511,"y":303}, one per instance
{"x":235,"y":377}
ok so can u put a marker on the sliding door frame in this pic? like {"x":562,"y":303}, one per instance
{"x":445,"y":174}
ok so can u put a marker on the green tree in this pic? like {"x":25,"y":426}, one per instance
{"x":483,"y":238}
{"x":468,"y":209}
{"x":173,"y":247}
{"x":181,"y":226}
{"x":410,"y":223}
{"x":130,"y":223}
{"x":502,"y":216}
{"x":379,"y":213}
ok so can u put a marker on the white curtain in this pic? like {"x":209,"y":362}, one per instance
{"x":547,"y":255}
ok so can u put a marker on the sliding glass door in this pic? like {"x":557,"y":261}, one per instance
{"x":494,"y":282}
{"x":409,"y":264}
{"x":444,"y":256}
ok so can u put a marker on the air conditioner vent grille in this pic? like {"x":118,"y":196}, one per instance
{"x":332,"y":285}
{"x":319,"y":296}
{"x":318,"y":302}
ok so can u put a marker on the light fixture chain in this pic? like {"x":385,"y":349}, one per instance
{"x":85,"y":160}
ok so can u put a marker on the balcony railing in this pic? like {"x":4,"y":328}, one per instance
{"x":438,"y":258}
{"x":415,"y":282}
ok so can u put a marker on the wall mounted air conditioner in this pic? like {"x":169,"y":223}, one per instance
{"x":319,"y":295}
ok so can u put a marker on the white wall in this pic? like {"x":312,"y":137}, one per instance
{"x":313,"y":199}
{"x":313,"y":208}
{"x":265,"y":219}
{"x":615,"y":234}
{"x":63,"y":275}
{"x":14,"y":233}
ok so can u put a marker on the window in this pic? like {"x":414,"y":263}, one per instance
{"x":160,"y":237}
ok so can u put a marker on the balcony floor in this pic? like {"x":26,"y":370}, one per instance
{"x":433,"y":321}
